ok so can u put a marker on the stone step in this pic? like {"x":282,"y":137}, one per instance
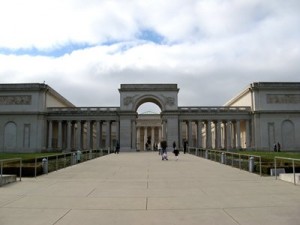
{"x":289,"y":177}
{"x":7,"y":178}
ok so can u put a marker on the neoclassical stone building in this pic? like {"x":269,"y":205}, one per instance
{"x":34,"y":118}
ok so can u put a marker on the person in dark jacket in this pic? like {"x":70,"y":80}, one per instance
{"x":175,"y":150}
{"x":185,"y":144}
{"x":117,"y":148}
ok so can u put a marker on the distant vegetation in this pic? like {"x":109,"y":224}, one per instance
{"x":24,"y":156}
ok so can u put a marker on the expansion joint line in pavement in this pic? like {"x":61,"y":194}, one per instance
{"x":62,"y":216}
{"x":228,"y":214}
{"x":147,"y":188}
{"x":148,"y":178}
{"x":90,"y":192}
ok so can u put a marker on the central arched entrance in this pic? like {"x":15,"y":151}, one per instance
{"x":148,"y":127}
{"x":132,"y":96}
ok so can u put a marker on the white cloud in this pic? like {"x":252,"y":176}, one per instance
{"x":212,"y":49}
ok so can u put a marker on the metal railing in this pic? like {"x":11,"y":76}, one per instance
{"x":234,"y":159}
{"x":13,"y":160}
{"x":44,"y":165}
{"x":286,"y":159}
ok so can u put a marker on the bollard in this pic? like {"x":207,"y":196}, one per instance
{"x":206,"y":154}
{"x":223,"y":158}
{"x":90,"y":155}
{"x":78,"y":156}
{"x":251,"y":164}
{"x":73,"y":159}
{"x":45,"y":165}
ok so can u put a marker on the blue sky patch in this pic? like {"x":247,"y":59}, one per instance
{"x":150,"y":35}
{"x":54,"y":52}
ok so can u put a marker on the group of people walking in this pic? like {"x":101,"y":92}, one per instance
{"x":277,"y":147}
{"x":162,"y":150}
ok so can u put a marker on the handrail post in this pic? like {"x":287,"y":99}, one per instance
{"x":275,"y":165}
{"x":35,"y":165}
{"x":21,"y":164}
{"x":1,"y":171}
{"x":56,"y":163}
{"x":47,"y":165}
{"x":260,"y":171}
{"x":294,"y":171}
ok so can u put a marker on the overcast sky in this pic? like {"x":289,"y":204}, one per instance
{"x":212,"y":49}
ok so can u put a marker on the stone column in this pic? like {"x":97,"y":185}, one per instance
{"x":59,"y":135}
{"x":98,"y":134}
{"x":108,"y":134}
{"x":218,"y":130}
{"x":214,"y":135}
{"x":164,"y":132}
{"x":133,"y":136}
{"x":88,"y":135}
{"x":228,"y":135}
{"x":238,"y":134}
{"x":152,"y":137}
{"x":199,"y":134}
{"x":233,"y":134}
{"x":92,"y":142}
{"x":78,"y":144}
{"x":159,"y":133}
{"x":73,"y":135}
{"x":50,"y":130}
{"x":145,"y":137}
{"x":180,"y":145}
{"x":190,"y":133}
{"x":208,"y":135}
{"x":138,"y":136}
{"x":118,"y":131}
{"x":248,"y":145}
{"x":69,"y":135}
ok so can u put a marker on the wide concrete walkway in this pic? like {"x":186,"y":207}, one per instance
{"x":141,"y":189}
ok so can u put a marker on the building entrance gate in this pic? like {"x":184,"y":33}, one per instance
{"x":134,"y":95}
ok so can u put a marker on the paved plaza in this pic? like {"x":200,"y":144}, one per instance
{"x":141,"y":189}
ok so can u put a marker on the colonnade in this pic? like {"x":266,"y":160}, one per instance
{"x":96,"y":134}
{"x":143,"y":132}
{"x":216,"y":134}
{"x":81,"y":134}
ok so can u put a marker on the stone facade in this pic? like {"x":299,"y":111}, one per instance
{"x":34,"y":118}
{"x":275,"y":109}
{"x":23,"y":116}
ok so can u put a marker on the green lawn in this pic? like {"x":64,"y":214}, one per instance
{"x":263,"y":154}
{"x":271,"y":155}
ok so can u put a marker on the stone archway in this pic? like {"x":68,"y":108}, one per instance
{"x":148,"y":99}
{"x":10,"y":136}
{"x":134,"y":95}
